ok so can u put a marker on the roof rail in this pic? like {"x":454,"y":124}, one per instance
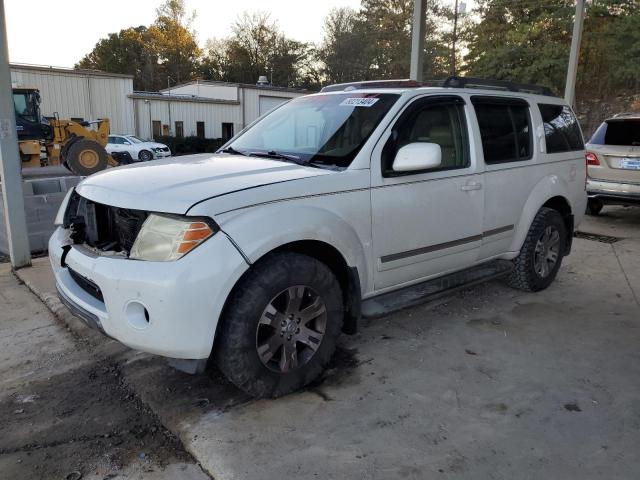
{"x":472,"y":82}
{"x":404,"y":83}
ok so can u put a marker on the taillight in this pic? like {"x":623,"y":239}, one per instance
{"x":592,"y":159}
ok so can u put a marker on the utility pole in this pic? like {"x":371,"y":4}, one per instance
{"x":417,"y":39}
{"x":10,"y":163}
{"x":574,"y":56}
{"x":454,"y":39}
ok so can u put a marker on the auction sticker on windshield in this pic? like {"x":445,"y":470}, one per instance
{"x":359,"y":102}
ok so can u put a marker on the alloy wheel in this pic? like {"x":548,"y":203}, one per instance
{"x":547,"y":251}
{"x":291,"y":329}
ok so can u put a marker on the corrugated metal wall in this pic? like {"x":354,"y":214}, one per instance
{"x":80,"y":94}
{"x":189,"y":113}
{"x":212,"y":114}
{"x":252,"y":100}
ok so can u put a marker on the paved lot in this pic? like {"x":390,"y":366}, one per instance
{"x":491,"y":383}
{"x":64,"y":408}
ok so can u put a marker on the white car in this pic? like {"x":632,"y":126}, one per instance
{"x":139,"y":149}
{"x":358,"y":200}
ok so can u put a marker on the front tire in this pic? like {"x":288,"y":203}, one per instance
{"x":145,"y":156}
{"x":541,"y":254}
{"x":280,"y":326}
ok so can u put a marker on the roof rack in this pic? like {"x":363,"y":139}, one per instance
{"x":451,"y":82}
{"x":404,"y":83}
{"x":472,"y":82}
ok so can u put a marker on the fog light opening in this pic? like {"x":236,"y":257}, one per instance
{"x":137,"y":315}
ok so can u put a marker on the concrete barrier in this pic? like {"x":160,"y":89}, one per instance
{"x":42,"y":198}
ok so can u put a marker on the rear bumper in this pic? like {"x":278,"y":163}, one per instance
{"x":613,"y":192}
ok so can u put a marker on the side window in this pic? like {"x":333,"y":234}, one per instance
{"x":440,"y":121}
{"x":111,"y":140}
{"x":505,"y":129}
{"x":561,"y":130}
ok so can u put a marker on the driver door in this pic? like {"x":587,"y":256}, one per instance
{"x":429,"y":222}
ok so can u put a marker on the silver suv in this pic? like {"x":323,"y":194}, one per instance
{"x":613,"y":163}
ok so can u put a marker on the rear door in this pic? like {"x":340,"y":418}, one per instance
{"x":505,"y":134}
{"x":426,"y":222}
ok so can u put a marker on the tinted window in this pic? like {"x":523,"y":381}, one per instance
{"x":441,"y":123}
{"x":618,"y":132}
{"x":505,"y":129}
{"x":561,"y":130}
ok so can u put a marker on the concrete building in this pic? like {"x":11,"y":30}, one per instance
{"x":206,"y":109}
{"x":200,"y":108}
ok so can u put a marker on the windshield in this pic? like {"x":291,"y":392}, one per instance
{"x":135,"y":139}
{"x":321,"y":129}
{"x":26,"y":106}
{"x":618,"y":132}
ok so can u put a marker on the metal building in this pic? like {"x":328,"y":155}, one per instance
{"x":80,"y":94}
{"x":204,"y":108}
{"x":198,"y":108}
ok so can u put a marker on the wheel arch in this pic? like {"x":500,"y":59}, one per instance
{"x":550,"y":192}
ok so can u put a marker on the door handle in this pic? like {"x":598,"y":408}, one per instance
{"x":471,"y":186}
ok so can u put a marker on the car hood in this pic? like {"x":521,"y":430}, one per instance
{"x":173,"y":186}
{"x":155,"y":145}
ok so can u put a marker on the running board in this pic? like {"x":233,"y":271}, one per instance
{"x":433,"y":289}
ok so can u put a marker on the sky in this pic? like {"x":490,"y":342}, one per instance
{"x":60,"y":32}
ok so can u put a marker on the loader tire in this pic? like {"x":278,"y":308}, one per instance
{"x":86,"y":157}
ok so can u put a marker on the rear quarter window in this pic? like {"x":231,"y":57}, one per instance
{"x":618,"y":132}
{"x":561,"y":130}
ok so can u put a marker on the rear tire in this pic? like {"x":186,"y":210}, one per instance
{"x":594,"y":206}
{"x":86,"y":157}
{"x":541,"y":254}
{"x":280,"y":326}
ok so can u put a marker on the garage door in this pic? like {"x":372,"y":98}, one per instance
{"x":269,"y":103}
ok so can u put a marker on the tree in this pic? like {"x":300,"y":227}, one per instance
{"x":174,"y":42}
{"x":255,"y":48}
{"x":125,"y":52}
{"x":375,"y":42}
{"x":344,"y":51}
{"x":164,"y":52}
{"x":524,"y":41}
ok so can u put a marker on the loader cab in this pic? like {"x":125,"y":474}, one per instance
{"x":29,"y":122}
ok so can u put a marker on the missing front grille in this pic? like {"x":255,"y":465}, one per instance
{"x":595,"y":237}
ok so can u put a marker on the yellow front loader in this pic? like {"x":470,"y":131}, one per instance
{"x":73,"y":144}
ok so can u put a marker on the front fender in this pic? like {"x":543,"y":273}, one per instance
{"x":547,"y":188}
{"x":257,"y":231}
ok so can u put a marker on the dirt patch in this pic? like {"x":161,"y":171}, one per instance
{"x":84,"y":421}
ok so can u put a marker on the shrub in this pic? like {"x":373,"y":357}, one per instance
{"x":187,"y":145}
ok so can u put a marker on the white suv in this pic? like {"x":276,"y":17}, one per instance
{"x":326,"y":209}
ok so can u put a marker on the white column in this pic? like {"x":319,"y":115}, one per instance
{"x":417,"y":39}
{"x":10,"y":163}
{"x":572,"y":71}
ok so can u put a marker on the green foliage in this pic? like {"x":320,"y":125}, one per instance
{"x":165,"y":52}
{"x":257,"y":47}
{"x":187,"y":145}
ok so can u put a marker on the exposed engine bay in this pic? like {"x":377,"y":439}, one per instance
{"x":104,"y":229}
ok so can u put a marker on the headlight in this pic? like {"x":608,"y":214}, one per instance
{"x":166,"y":238}
{"x":59,"y":220}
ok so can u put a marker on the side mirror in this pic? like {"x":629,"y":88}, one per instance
{"x":126,"y":142}
{"x":417,"y":156}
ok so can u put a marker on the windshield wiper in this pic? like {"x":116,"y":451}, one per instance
{"x":234,"y":151}
{"x":280,"y":156}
